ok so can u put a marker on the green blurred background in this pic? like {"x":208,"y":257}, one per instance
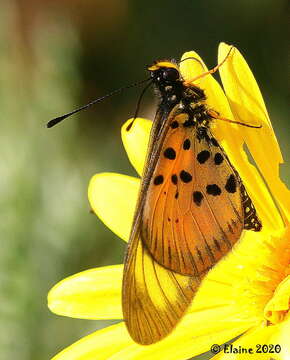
{"x":56,"y":55}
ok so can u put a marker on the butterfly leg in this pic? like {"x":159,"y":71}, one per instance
{"x":211,"y":71}
{"x":215,"y":115}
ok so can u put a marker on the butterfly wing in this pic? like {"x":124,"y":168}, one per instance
{"x":154,"y":298}
{"x":194,"y":211}
{"x":189,"y":214}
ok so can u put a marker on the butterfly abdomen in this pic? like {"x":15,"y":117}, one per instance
{"x":251,"y":220}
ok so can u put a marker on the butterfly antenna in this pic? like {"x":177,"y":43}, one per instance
{"x":140,"y":99}
{"x":138,"y":105}
{"x":193,"y":58}
{"x":58,"y":119}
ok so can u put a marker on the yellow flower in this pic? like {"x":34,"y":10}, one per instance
{"x":246,"y":293}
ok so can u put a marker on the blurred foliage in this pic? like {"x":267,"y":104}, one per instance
{"x":56,"y":55}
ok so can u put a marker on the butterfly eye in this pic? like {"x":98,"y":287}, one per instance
{"x":170,"y":74}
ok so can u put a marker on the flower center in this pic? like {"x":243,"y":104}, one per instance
{"x":268,"y":288}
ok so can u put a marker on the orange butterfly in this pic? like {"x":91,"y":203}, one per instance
{"x":192,"y":209}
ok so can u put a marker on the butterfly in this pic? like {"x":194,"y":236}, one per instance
{"x":192,"y":208}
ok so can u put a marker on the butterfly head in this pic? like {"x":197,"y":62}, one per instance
{"x":164,"y":72}
{"x":171,"y":86}
{"x":168,"y":82}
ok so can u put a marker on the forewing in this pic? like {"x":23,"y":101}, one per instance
{"x":193,"y":212}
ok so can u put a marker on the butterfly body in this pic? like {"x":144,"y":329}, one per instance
{"x":192,"y":209}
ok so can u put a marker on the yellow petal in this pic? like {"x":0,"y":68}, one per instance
{"x":114,"y":342}
{"x":216,"y":98}
{"x":248,"y":106}
{"x":281,"y":337}
{"x":235,"y":280}
{"x":100,"y":345}
{"x":96,"y":294}
{"x":113,"y":198}
{"x":227,"y":134}
{"x":192,"y":336}
{"x":279,"y":304}
{"x":212,"y":284}
{"x":135,"y":137}
{"x":91,"y":294}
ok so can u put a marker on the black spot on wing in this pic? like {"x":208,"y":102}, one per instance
{"x":231,"y":185}
{"x":186,"y":144}
{"x":174,"y":179}
{"x":158,"y":180}
{"x":170,"y":153}
{"x":185,"y":176}
{"x":197,"y":197}
{"x":203,"y":156}
{"x":218,"y":158}
{"x":213,"y":189}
